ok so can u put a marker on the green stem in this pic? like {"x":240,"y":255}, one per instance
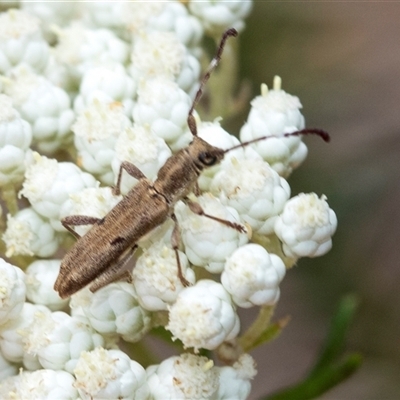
{"x":257,"y":328}
{"x":9,"y":195}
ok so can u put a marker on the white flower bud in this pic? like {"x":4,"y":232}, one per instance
{"x":219,"y":15}
{"x":15,"y":139}
{"x":12,"y":291}
{"x":114,"y":310}
{"x":28,"y":233}
{"x":100,"y":121}
{"x":96,"y":131}
{"x":213,"y":133}
{"x":61,"y":75}
{"x":252,"y":276}
{"x":45,"y":106}
{"x":9,"y":386}
{"x":174,"y":17}
{"x":12,"y":165}
{"x":234,"y":382}
{"x":39,"y":278}
{"x":13,"y":130}
{"x":208,"y":242}
{"x":105,"y":14}
{"x":203,"y":316}
{"x":110,"y":374}
{"x":273,"y":113}
{"x":6,"y":369}
{"x":51,"y":13}
{"x":306,"y":226}
{"x":161,"y":53}
{"x":254,"y":190}
{"x":48,"y":184}
{"x":59,"y":339}
{"x":164,"y":106}
{"x":21,"y":41}
{"x":140,"y":146}
{"x":44,"y":384}
{"x":124,"y":18}
{"x":183,"y":377}
{"x":155,"y":276}
{"x":13,"y":335}
{"x":81,"y":48}
{"x":93,"y":202}
{"x":110,"y":80}
{"x":136,"y":17}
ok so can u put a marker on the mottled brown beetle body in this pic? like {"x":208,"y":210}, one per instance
{"x":94,"y":258}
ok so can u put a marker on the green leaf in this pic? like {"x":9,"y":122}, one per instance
{"x":320,"y":382}
{"x":270,"y":333}
{"x":337,"y":332}
{"x":327,"y":372}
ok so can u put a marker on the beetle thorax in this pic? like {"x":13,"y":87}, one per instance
{"x":179,"y":174}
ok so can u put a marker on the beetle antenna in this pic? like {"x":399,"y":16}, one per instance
{"x":213,"y":64}
{"x":319,"y":132}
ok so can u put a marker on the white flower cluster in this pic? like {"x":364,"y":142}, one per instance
{"x":90,"y":85}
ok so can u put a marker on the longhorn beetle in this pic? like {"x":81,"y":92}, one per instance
{"x":100,"y":256}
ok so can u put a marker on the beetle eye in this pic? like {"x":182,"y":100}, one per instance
{"x":207,"y":159}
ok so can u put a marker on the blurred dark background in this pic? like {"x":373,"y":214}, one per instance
{"x":343,"y":61}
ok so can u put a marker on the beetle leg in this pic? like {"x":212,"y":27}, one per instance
{"x":175,"y":241}
{"x":132,"y":170}
{"x":77,"y":220}
{"x":198,"y":209}
{"x":117,"y":272}
{"x":196,"y":189}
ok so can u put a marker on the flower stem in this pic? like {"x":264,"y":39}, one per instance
{"x":9,"y":196}
{"x":257,"y":327}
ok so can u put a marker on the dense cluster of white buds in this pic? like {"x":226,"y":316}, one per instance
{"x":85,"y":86}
